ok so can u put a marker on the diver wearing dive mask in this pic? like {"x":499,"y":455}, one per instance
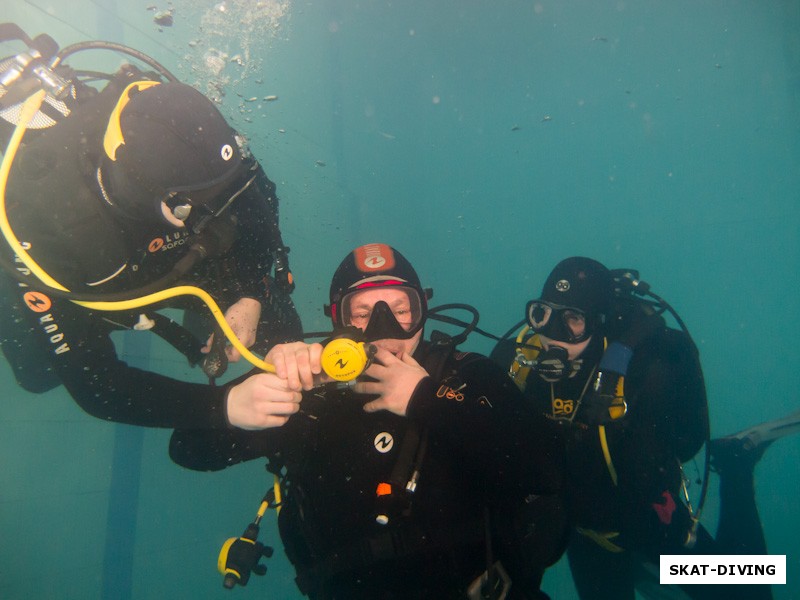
{"x":562,"y":323}
{"x":570,"y":310}
{"x":409,"y":463}
{"x":631,"y":415}
{"x":398,"y":315}
{"x":401,"y":308}
{"x":563,"y":334}
{"x":86,"y":197}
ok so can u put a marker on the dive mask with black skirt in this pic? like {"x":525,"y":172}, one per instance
{"x":400,"y":321}
{"x":556,"y":322}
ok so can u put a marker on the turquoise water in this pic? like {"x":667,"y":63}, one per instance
{"x":486,"y":141}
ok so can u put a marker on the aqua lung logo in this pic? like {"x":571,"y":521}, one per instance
{"x":168,"y":242}
{"x":374,"y":262}
{"x":383,"y":442}
{"x":39,"y":303}
{"x":335,"y":357}
{"x":374,"y":257}
{"x":226,"y":152}
{"x":562,"y":285}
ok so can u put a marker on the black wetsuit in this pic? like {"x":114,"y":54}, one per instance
{"x":622,"y":527}
{"x":481,"y":449}
{"x":56,"y":208}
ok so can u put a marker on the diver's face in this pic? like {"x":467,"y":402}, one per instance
{"x":398,"y":347}
{"x":573,"y":350}
{"x":361,"y":307}
{"x":576,"y":322}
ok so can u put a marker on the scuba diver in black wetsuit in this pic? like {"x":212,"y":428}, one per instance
{"x":390,"y":485}
{"x":134,"y":195}
{"x":627,"y":395}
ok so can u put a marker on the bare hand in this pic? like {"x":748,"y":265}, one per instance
{"x":261,"y":401}
{"x":396,"y":378}
{"x":242,"y":317}
{"x":299,"y":364}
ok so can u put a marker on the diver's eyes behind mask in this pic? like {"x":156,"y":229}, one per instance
{"x":384,"y":312}
{"x":561,"y":323}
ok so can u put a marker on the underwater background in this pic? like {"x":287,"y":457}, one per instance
{"x":486,"y":141}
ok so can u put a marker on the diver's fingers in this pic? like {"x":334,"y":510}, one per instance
{"x":282,"y":357}
{"x":260,"y":401}
{"x":297,"y":363}
{"x":367,"y":387}
{"x":233,"y":354}
{"x":375,"y":406}
{"x":410,"y":360}
{"x":207,"y":348}
{"x":384,"y":357}
{"x":376,"y":371}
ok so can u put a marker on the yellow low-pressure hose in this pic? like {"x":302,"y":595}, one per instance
{"x":29,"y":110}
{"x":278,"y":498}
{"x":185,"y":290}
